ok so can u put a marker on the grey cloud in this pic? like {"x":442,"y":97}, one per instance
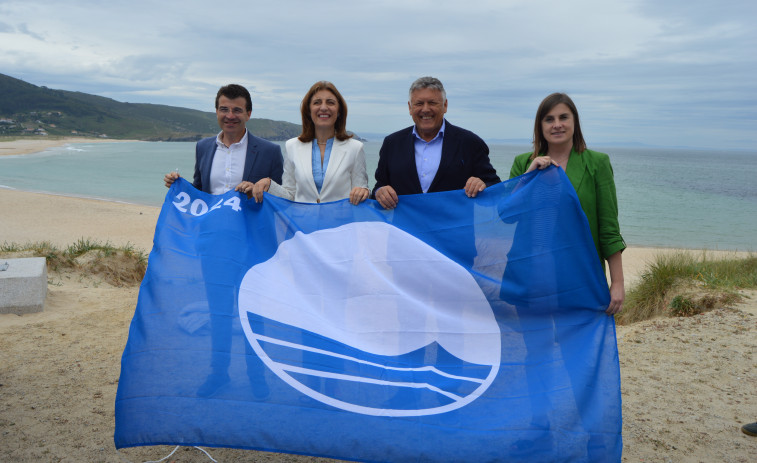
{"x":24,"y":29}
{"x":649,"y":71}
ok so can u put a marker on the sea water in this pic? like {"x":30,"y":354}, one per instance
{"x":682,"y":198}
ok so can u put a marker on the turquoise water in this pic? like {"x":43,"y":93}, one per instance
{"x":667,"y":197}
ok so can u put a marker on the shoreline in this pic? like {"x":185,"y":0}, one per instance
{"x":74,"y":196}
{"x":743,"y":242}
{"x":22,"y":145}
{"x":64,"y":219}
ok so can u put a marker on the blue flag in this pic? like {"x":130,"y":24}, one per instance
{"x":448,"y":329}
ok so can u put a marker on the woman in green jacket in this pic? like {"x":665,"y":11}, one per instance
{"x":558,"y":141}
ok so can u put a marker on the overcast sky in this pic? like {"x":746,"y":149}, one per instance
{"x":658,"y":72}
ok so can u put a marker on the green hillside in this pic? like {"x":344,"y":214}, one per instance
{"x":27,"y":109}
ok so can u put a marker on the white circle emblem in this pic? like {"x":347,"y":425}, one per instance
{"x":368,"y":318}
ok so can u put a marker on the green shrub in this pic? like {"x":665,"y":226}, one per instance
{"x":684,"y":283}
{"x":682,"y":306}
{"x":117,"y":265}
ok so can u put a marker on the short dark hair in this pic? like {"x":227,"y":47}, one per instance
{"x":308,"y":126}
{"x":540,"y":143}
{"x":233,"y":91}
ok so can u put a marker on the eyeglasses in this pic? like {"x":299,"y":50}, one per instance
{"x":237,"y":110}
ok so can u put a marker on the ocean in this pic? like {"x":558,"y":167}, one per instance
{"x":697,"y":199}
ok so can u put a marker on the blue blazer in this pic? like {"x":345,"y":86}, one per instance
{"x":464,"y":155}
{"x":264,"y":159}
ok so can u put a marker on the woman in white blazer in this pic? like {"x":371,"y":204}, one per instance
{"x":324,"y":163}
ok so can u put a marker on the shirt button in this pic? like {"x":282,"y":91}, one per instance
{"x":318,"y":200}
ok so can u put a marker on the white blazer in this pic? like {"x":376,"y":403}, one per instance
{"x":345,"y":171}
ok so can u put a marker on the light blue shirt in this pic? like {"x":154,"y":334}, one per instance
{"x":319,"y":171}
{"x":428,"y":155}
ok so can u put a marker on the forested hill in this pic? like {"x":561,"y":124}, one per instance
{"x":27,"y":109}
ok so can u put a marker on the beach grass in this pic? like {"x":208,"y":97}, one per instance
{"x":117,"y":265}
{"x":686,"y":283}
{"x":678,"y":284}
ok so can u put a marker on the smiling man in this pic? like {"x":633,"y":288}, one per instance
{"x":234,"y":159}
{"x":432,"y":155}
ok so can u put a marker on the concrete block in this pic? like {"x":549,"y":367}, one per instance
{"x":23,"y":285}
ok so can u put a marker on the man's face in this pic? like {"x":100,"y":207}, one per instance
{"x":427,"y":108}
{"x":232,"y":117}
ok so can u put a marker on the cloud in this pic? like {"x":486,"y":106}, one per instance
{"x":625,"y":63}
{"x":22,"y":28}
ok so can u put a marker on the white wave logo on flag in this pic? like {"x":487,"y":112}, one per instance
{"x":367,"y":318}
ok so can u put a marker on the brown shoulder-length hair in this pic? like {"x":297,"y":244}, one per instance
{"x":308,"y":127}
{"x":540,"y":143}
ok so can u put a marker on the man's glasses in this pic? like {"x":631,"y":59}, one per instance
{"x":236,"y":111}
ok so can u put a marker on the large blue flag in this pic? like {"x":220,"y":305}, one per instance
{"x":447,"y":329}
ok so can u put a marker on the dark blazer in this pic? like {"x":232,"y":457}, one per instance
{"x":464,"y":155}
{"x":263,"y":160}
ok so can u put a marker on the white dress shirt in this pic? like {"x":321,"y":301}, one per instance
{"x":228,"y":165}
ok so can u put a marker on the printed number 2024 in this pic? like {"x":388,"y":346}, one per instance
{"x":199,"y":207}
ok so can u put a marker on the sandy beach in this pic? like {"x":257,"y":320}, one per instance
{"x":36,"y":144}
{"x":687,"y":383}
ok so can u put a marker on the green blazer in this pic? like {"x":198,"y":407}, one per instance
{"x":591,"y":175}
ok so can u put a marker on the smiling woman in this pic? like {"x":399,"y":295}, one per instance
{"x":324,"y":163}
{"x":558,"y":141}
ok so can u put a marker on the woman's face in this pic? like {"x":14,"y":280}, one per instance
{"x":324,"y":109}
{"x":557,"y":125}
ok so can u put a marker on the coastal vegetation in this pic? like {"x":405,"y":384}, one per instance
{"x":687,"y":283}
{"x":680,"y":284}
{"x":116,"y":265}
{"x":31,"y":111}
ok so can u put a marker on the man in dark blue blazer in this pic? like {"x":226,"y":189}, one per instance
{"x":234,"y":159}
{"x":432,"y":155}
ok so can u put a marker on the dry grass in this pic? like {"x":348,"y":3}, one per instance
{"x":680,"y":284}
{"x":687,"y":283}
{"x":117,"y":266}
